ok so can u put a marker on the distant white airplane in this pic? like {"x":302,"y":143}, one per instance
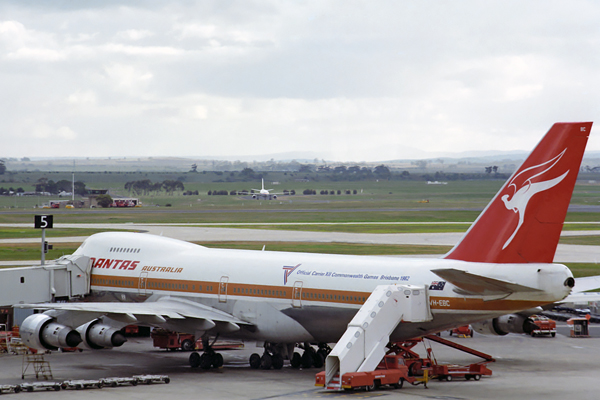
{"x":501,"y":267}
{"x":264,"y":194}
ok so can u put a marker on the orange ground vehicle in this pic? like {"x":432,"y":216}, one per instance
{"x":465,"y":331}
{"x":173,"y":340}
{"x":392,"y":371}
{"x":402,"y":364}
{"x":544,"y":326}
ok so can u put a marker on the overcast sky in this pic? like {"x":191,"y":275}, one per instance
{"x":347,"y":80}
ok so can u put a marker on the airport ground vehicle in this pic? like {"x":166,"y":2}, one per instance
{"x":464,"y":331}
{"x":402,"y":364}
{"x":172,"y":340}
{"x":392,"y":371}
{"x":82,"y":384}
{"x":544,"y":326}
{"x":38,"y":386}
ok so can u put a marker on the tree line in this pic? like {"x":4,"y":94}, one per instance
{"x":146,"y":187}
{"x":48,"y":185}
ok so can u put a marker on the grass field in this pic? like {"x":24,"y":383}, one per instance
{"x":378,"y":207}
{"x":370,"y":194}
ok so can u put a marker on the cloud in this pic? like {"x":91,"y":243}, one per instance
{"x":353,"y":80}
{"x":134,"y":34}
{"x":82,"y":98}
{"x":64,"y":132}
{"x":128,"y":78}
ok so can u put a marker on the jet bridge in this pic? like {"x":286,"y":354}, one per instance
{"x":363,"y":345}
{"x":66,"y":278}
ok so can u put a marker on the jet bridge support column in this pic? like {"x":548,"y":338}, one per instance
{"x":362,"y":346}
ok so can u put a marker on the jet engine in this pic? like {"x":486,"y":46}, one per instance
{"x":41,"y":331}
{"x":96,"y":335}
{"x":510,"y":323}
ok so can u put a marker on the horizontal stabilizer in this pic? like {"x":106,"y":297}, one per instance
{"x":469,"y":283}
{"x":586,"y":283}
{"x":581,"y":298}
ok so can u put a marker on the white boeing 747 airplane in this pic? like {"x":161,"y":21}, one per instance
{"x":502,"y":266}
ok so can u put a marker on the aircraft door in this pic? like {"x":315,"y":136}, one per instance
{"x":297,"y":294}
{"x":143,"y":284}
{"x":223,"y":289}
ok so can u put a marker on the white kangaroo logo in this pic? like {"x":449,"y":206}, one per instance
{"x":521,"y":196}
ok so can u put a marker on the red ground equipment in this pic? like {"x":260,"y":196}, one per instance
{"x":402,"y":364}
{"x":462,"y":331}
{"x":544,"y":326}
{"x":173,"y":340}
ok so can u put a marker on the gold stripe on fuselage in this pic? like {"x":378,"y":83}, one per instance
{"x":100,"y":282}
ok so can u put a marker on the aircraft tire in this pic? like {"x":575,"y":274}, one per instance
{"x":217,"y":360}
{"x":206,"y":361}
{"x":318,"y":360}
{"x":266,"y":361}
{"x":255,"y":361}
{"x":277,"y":361}
{"x":296,"y":360}
{"x":307,"y":359}
{"x":194,"y":360}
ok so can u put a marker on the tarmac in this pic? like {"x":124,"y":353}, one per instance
{"x":525,"y":368}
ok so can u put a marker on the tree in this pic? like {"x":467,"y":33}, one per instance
{"x":104,"y":200}
{"x":248,"y":174}
{"x":80,"y":189}
{"x":382,"y":172}
{"x":64,"y":185}
{"x":2,"y":167}
{"x":46,"y":185}
{"x":170,"y":186}
{"x":194,"y":168}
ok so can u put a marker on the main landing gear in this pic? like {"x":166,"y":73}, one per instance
{"x":209,"y":358}
{"x":275,"y":354}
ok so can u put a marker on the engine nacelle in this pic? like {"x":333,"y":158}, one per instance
{"x":99,"y":336}
{"x":254,"y":196}
{"x":42,"y":332}
{"x":510,"y":323}
{"x":274,"y":197}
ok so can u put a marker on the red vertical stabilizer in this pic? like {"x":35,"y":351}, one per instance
{"x":523,"y":222}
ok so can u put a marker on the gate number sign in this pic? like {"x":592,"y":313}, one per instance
{"x":42,"y":221}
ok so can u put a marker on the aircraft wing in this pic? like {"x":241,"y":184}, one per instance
{"x":166,"y":309}
{"x":469,"y":283}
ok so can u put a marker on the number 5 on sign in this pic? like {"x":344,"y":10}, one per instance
{"x":42,"y":221}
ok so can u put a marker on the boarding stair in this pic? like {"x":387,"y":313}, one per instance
{"x":363,"y":345}
{"x":41,"y":367}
